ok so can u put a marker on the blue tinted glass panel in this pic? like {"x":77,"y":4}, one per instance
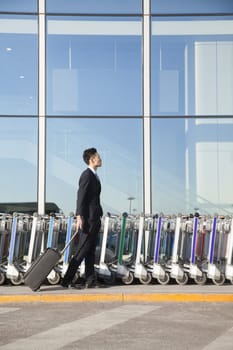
{"x":18,"y":157}
{"x":18,"y":65}
{"x":192,"y":66}
{"x":18,"y":6}
{"x":119,"y":142}
{"x":94,"y":66}
{"x":192,"y":165}
{"x":191,"y":6}
{"x":94,"y":6}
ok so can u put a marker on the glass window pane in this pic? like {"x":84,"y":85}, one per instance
{"x":18,"y":65}
{"x":94,"y":66}
{"x":192,"y":165}
{"x":94,"y":6}
{"x":18,"y":156}
{"x":119,"y":142}
{"x":192,"y":66}
{"x":191,"y":6}
{"x":18,"y":6}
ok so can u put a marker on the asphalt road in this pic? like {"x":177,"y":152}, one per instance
{"x":116,"y":326}
{"x":117,"y":318}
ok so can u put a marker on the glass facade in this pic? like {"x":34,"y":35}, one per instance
{"x":94,"y":66}
{"x":192,"y":165}
{"x":19,"y":65}
{"x":138,"y":80}
{"x":192,"y":66}
{"x":119,"y":141}
{"x":18,"y":156}
{"x":18,"y":6}
{"x":95,"y":6}
{"x":191,"y":6}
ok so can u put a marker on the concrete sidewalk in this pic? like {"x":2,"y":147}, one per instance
{"x":119,"y":293}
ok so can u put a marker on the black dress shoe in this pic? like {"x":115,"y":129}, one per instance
{"x":72,"y":286}
{"x":65,"y":284}
{"x":94,"y":284}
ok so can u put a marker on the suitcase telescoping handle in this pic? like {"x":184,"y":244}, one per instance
{"x":67,"y":244}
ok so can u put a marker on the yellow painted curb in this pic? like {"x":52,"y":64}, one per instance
{"x":179,"y":297}
{"x":149,"y":298}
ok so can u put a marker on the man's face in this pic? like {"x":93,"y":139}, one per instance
{"x":95,"y":161}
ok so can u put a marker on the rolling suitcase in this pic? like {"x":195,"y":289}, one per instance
{"x":43,"y":265}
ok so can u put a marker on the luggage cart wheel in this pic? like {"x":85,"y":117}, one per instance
{"x":184,"y":280}
{"x":55,"y":280}
{"x":164,"y":280}
{"x":201,"y":280}
{"x":146,"y":280}
{"x":129,"y":279}
{"x":220,"y":281}
{"x":16,"y":281}
{"x":2,"y":278}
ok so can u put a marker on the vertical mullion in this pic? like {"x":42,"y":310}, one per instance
{"x":42,"y":117}
{"x":146,"y":107}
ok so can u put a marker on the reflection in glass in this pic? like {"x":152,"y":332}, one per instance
{"x":19,"y":6}
{"x":94,"y":67}
{"x":94,"y":6}
{"x":191,"y":6}
{"x":192,"y":165}
{"x":192,"y":66}
{"x":18,"y":157}
{"x":18,"y":65}
{"x":119,"y":142}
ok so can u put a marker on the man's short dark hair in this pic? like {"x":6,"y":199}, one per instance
{"x":88,"y":153}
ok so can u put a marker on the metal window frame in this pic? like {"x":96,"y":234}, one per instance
{"x":147,"y":205}
{"x":42,"y":109}
{"x":41,"y":185}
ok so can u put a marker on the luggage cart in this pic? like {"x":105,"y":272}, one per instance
{"x":27,"y":250}
{"x":36,"y":243}
{"x":164,"y":228}
{"x":140,"y":268}
{"x":181,"y":245}
{"x":215,"y":269}
{"x":32,"y":242}
{"x":118,"y":266}
{"x":40,"y":236}
{"x":196,"y":259}
{"x":66,"y":258}
{"x":5,"y":230}
{"x":105,"y":251}
{"x":203,"y":242}
{"x":127,"y":249}
{"x":52,"y":242}
{"x":158,"y":268}
{"x":229,"y":254}
{"x":137,"y":246}
{"x":19,"y":241}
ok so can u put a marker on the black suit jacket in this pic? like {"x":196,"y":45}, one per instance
{"x":88,"y":196}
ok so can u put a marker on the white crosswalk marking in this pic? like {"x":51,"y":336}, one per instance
{"x":63,"y":335}
{"x":224,"y":342}
{"x":5,"y":310}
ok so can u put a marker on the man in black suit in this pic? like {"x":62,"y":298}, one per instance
{"x":89,"y":213}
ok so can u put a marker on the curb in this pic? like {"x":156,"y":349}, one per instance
{"x":118,"y":297}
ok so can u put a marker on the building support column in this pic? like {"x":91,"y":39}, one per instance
{"x":146,"y":107}
{"x":42,"y":112}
